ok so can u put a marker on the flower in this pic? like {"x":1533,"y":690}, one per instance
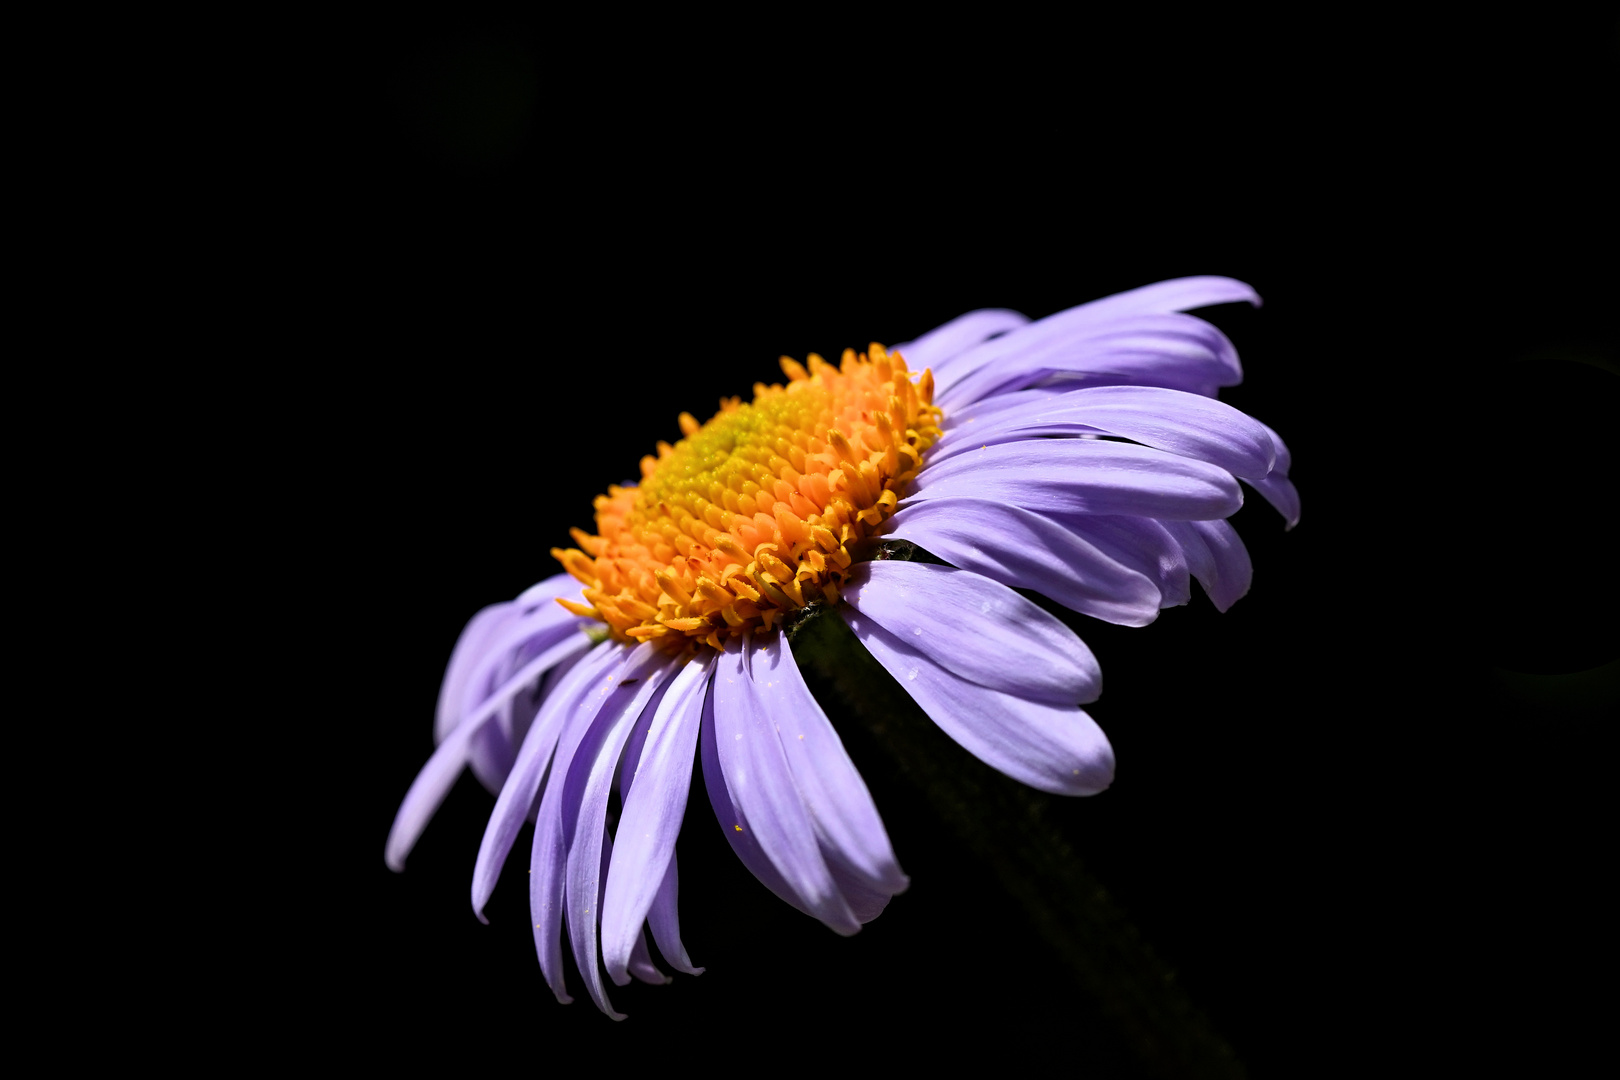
{"x":1082,"y":456}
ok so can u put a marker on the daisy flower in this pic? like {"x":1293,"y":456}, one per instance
{"x":1082,"y":457}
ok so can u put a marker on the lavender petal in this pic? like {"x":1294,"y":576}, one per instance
{"x":586,"y":783}
{"x":961,"y":333}
{"x":1216,"y":557}
{"x":1171,"y":420}
{"x":1085,"y":476}
{"x":1279,"y":491}
{"x":522,"y":787}
{"x":845,"y":820}
{"x":654,"y":806}
{"x":549,"y":858}
{"x":1176,"y":351}
{"x":977,"y":628}
{"x":1052,"y":747}
{"x":1026,"y":551}
{"x":431,"y":785}
{"x":733,"y":824}
{"x":665,"y":921}
{"x":1142,"y":543}
{"x":760,"y":782}
{"x":467,"y":652}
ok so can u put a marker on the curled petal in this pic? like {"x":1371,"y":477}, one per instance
{"x":963,"y":332}
{"x":1186,"y":424}
{"x":522,"y":787}
{"x":978,"y":629}
{"x":644,"y":847}
{"x":1085,"y":476}
{"x":1053,"y":747}
{"x":477,"y":643}
{"x":1217,"y":558}
{"x":512,"y":644}
{"x":431,"y":785}
{"x":1279,"y":491}
{"x":842,"y":813}
{"x":1027,"y":551}
{"x":666,"y":924}
{"x":1160,"y":298}
{"x":761,"y":784}
{"x":1176,"y":351}
{"x":586,"y":785}
{"x":642,"y":966}
{"x":736,"y":828}
{"x":463,"y":657}
{"x":1177,"y":294}
{"x":553,"y":827}
{"x":492,"y":752}
{"x":546,"y":593}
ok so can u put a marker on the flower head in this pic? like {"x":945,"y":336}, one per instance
{"x":1083,"y":457}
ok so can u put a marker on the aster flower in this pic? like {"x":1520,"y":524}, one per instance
{"x":1082,"y":457}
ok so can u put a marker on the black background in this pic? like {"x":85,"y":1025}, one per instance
{"x":1356,"y":813}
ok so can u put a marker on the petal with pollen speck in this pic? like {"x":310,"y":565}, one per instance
{"x":845,"y":820}
{"x":760,"y":782}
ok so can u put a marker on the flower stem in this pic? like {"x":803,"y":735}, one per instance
{"x":1004,"y":824}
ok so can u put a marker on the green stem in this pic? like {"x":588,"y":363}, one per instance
{"x":1004,"y":824}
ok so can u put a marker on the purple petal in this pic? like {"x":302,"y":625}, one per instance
{"x":548,"y":861}
{"x":1177,"y":294}
{"x":1276,"y":488}
{"x":961,"y":333}
{"x":1026,"y":551}
{"x":1176,"y":351}
{"x":1160,"y":298}
{"x":976,"y":628}
{"x":1284,"y":458}
{"x":1143,"y":544}
{"x":959,"y":423}
{"x":522,"y":787}
{"x":846,"y":822}
{"x":1084,"y":476}
{"x":865,"y":902}
{"x":587,"y":782}
{"x":666,"y":925}
{"x":547,"y":591}
{"x":1279,"y":492}
{"x":1052,"y":747}
{"x":431,"y":785}
{"x":641,"y":963}
{"x":475,"y":644}
{"x":491,"y":753}
{"x":654,"y":806}
{"x":468,"y":651}
{"x":736,"y":828}
{"x":527,"y":635}
{"x":1216,"y":557}
{"x":760,"y":783}
{"x":1171,"y":420}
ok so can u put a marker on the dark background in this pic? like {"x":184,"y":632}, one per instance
{"x":1358,"y":811}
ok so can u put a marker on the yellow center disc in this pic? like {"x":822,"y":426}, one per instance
{"x":753,"y":514}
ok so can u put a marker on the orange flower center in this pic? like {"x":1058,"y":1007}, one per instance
{"x":753,"y":515}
